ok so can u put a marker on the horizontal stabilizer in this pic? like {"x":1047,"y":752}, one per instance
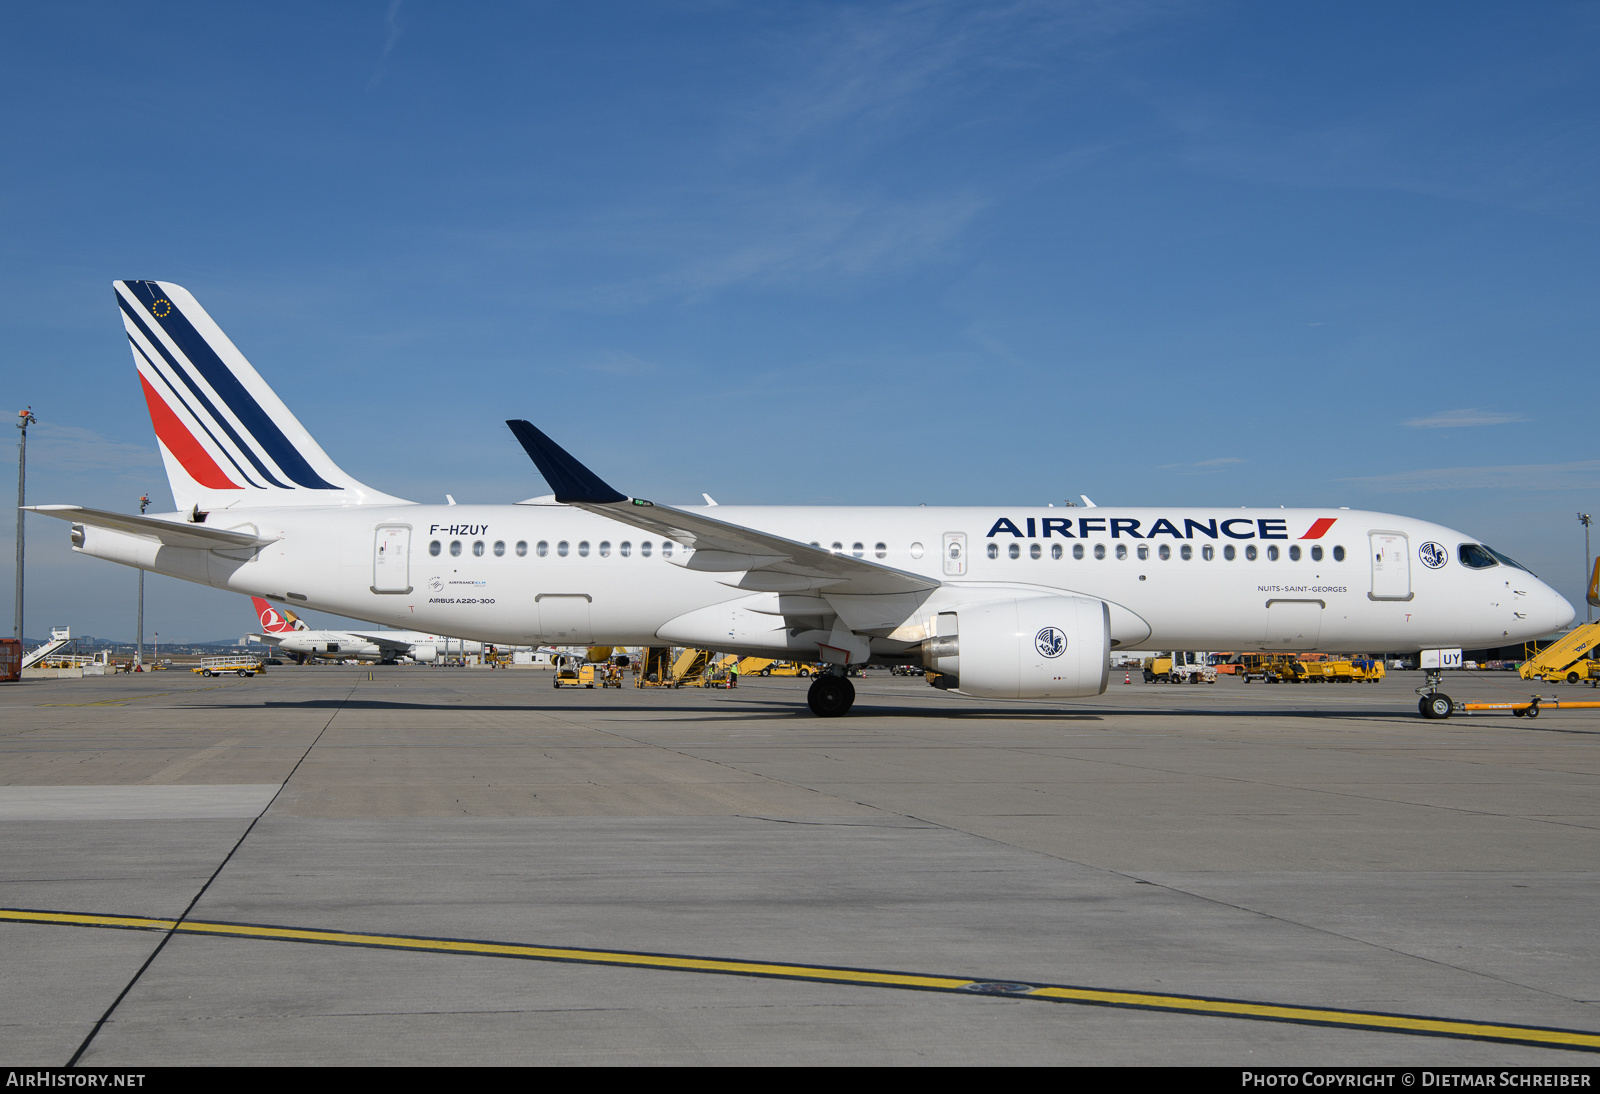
{"x":167,"y":532}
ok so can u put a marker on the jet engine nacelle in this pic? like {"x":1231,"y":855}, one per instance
{"x":1048,"y":647}
{"x":424,"y":654}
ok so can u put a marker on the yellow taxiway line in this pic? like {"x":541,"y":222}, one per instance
{"x":1579,"y":1040}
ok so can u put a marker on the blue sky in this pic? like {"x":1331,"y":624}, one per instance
{"x":1161,"y":253}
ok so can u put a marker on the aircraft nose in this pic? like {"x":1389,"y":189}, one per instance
{"x":1549,"y":609}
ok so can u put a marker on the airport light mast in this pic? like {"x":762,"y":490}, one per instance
{"x":138,"y":642}
{"x":1585,"y":519}
{"x":26,"y":419}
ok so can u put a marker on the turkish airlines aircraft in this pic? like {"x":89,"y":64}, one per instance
{"x":289,"y":634}
{"x":1001,"y":601}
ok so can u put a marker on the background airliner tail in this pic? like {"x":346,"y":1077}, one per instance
{"x":274,"y":621}
{"x":226,"y":438}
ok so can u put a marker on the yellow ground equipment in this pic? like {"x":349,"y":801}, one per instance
{"x":1567,"y":658}
{"x":653,"y":669}
{"x":756,"y":666}
{"x":571,"y":674}
{"x":224,"y":666}
{"x":1179,"y":668}
{"x":788,"y":668}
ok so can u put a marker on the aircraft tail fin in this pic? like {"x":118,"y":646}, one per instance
{"x":226,"y":438}
{"x":275,"y":622}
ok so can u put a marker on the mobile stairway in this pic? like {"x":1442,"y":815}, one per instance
{"x":1567,"y":658}
{"x":59,"y":636}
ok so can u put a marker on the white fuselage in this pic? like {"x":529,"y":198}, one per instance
{"x":1381,"y":583}
{"x":342,"y":645}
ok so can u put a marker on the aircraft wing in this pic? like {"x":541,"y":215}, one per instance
{"x":767,"y":563}
{"x":167,"y":532}
{"x":387,"y":645}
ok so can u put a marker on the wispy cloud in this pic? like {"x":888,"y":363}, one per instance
{"x":780,"y":235}
{"x":1579,"y":475}
{"x":1203,"y":467}
{"x":393,"y":28}
{"x":71,"y":448}
{"x":1461,"y":419}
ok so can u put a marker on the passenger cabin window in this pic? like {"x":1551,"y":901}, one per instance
{"x":1186,"y":552}
{"x":1014,"y":551}
{"x":857,"y":550}
{"x":1316,"y":554}
{"x":916,"y":550}
{"x":1250,"y":553}
{"x":666,"y":548}
{"x":562,"y":548}
{"x":499,"y":548}
{"x":625,"y":548}
{"x":1122,"y":550}
{"x":455,"y":548}
{"x":644,"y":549}
{"x":1034,"y":551}
{"x":1294,"y":553}
{"x":838,"y":548}
{"x":435,"y":547}
{"x":1338,"y":554}
{"x":1227,"y":552}
{"x":477,"y":548}
{"x":880,"y":550}
{"x":1099,"y":550}
{"x":1165,"y":551}
{"x":1144,"y":552}
{"x":994,"y":550}
{"x":543,"y":549}
{"x":1208,"y":552}
{"x":1055,"y":550}
{"x":1272,"y":554}
{"x":605,"y":548}
{"x":1077,"y":550}
{"x":583,"y":548}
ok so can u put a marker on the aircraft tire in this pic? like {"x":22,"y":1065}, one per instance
{"x":1437,"y":705}
{"x":831,"y":696}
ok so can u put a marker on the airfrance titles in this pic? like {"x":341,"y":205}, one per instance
{"x":1134,"y":528}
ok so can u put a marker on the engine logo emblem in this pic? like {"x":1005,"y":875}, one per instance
{"x":1050,"y":642}
{"x":1433,"y":556}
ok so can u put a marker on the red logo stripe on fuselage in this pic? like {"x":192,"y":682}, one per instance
{"x":181,"y":443}
{"x":1320,"y":529}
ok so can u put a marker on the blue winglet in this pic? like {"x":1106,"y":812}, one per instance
{"x":571,"y":481}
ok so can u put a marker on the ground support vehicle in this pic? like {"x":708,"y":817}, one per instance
{"x":570,"y":674}
{"x":653,"y":669}
{"x":1179,"y":667}
{"x":1568,"y":658}
{"x":223,"y":666}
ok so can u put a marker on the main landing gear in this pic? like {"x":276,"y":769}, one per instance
{"x":830,"y":696}
{"x":1434,"y":703}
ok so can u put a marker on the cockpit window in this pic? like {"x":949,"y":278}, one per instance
{"x":1507,"y":560}
{"x":1474,"y":557}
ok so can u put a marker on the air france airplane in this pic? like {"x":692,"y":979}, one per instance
{"x":997,"y":601}
{"x":289,"y":634}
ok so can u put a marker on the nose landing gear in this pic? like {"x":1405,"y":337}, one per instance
{"x":1434,"y":703}
{"x":830,"y":696}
